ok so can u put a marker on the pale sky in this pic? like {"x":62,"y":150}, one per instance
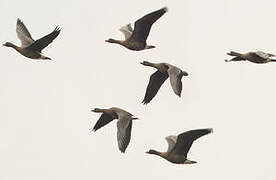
{"x":46,"y":123}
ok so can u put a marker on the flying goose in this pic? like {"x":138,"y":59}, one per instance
{"x":29,"y":47}
{"x":136,"y":39}
{"x":179,"y":146}
{"x":164,"y":70}
{"x":124,"y":124}
{"x":255,"y":57}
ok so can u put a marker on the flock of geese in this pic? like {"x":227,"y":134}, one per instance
{"x":135,"y":39}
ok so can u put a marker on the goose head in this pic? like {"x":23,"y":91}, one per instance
{"x":152,"y":151}
{"x":8,"y":44}
{"x":110,"y":40}
{"x":97,"y":110}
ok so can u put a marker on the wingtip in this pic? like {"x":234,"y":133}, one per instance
{"x":19,"y":21}
{"x":57,"y":29}
{"x":211,"y":130}
{"x":122,"y":150}
{"x":145,"y":102}
{"x":95,"y":129}
{"x":166,"y":9}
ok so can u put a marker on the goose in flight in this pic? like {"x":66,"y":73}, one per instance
{"x":124,"y":124}
{"x":164,"y":70}
{"x":136,"y":39}
{"x":258,"y":57}
{"x":29,"y":47}
{"x":179,"y":146}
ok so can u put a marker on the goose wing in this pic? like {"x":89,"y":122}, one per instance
{"x":126,"y":30}
{"x":143,"y":25}
{"x":41,"y":43}
{"x":23,"y":34}
{"x":264,"y":55}
{"x":124,"y":126}
{"x":186,"y":139}
{"x":171,"y":140}
{"x":175,"y":75}
{"x":104,"y":120}
{"x":155,"y":82}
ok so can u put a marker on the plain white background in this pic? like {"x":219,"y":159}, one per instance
{"x":45,"y":120}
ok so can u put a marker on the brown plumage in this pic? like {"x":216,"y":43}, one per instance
{"x":29,"y":47}
{"x":179,"y":146}
{"x":136,"y":39}
{"x":124,"y":124}
{"x":258,"y":57}
{"x":164,"y":71}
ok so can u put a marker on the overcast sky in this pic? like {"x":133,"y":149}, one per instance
{"x":45,"y":119}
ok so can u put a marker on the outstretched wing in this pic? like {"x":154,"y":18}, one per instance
{"x":124,"y":126}
{"x":264,"y":55}
{"x":186,"y":139}
{"x":156,"y":81}
{"x":104,"y":120}
{"x":23,"y":34}
{"x":143,"y":25}
{"x":175,"y":79}
{"x":126,"y":30}
{"x":41,"y":43}
{"x":171,"y":140}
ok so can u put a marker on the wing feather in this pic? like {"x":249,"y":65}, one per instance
{"x":126,"y":30}
{"x":124,"y":126}
{"x":104,"y":120}
{"x":171,"y":140}
{"x":264,"y":55}
{"x":186,"y":139}
{"x":155,"y":82}
{"x":41,"y":43}
{"x":143,"y":25}
{"x":175,"y":79}
{"x":23,"y":34}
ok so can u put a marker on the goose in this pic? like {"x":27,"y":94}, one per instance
{"x":124,"y":124}
{"x":164,"y":70}
{"x":29,"y":47}
{"x":136,"y":39}
{"x":179,"y":146}
{"x":258,"y":57}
